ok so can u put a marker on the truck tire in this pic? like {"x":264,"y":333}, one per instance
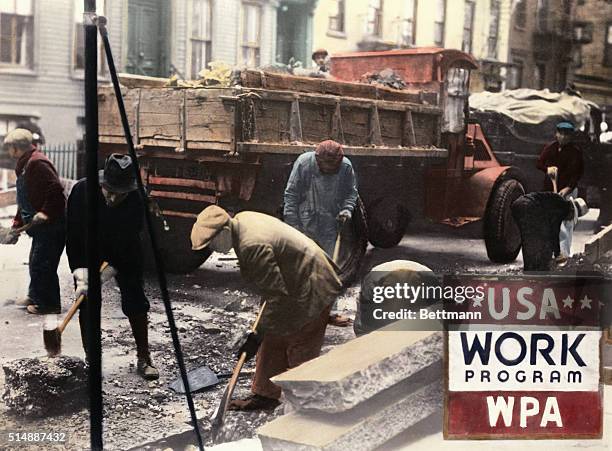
{"x":501,"y":233}
{"x":175,"y":246}
{"x":387,"y":222}
{"x":353,"y":244}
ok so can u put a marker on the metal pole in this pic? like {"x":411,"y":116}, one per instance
{"x":93,"y":260}
{"x":161,"y":275}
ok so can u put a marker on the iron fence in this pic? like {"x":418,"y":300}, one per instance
{"x":67,"y":158}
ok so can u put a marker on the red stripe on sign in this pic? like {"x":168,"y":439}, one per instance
{"x":565,"y":414}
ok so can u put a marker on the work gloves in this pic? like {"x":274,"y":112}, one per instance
{"x":81,"y":280}
{"x":247,"y":341}
{"x":343,"y":216}
{"x":39,"y":218}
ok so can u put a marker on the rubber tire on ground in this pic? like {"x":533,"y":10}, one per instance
{"x":501,"y":233}
{"x":175,"y":246}
{"x":353,"y":245}
{"x":387,"y":222}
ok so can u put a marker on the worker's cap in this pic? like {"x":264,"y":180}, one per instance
{"x":580,"y":207}
{"x":329,"y":155}
{"x":318,"y":52}
{"x":37,"y":134}
{"x":118,"y":174}
{"x":20,"y":137}
{"x":209,"y":223}
{"x":565,"y":127}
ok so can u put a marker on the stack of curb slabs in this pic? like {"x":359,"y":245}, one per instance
{"x":361,"y":394}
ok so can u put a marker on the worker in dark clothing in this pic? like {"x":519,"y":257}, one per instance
{"x":120,"y":215}
{"x":41,"y":204}
{"x":562,"y":162}
{"x":539,"y":217}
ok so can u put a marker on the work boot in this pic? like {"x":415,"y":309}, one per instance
{"x":254,"y":402}
{"x":140,"y":330}
{"x":24,"y":302}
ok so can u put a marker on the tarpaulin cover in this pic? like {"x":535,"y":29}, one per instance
{"x":531,"y":115}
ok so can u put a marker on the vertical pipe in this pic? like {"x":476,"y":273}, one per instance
{"x":93,"y":261}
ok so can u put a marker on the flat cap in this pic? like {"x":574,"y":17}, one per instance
{"x":18,"y":137}
{"x":210,"y":221}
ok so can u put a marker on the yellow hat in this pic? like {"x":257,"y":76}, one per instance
{"x":209,"y":223}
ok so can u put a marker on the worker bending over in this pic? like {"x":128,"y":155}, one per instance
{"x":297,"y":280}
{"x":562,"y":161}
{"x":41,"y":204}
{"x":320,"y":197}
{"x":120,"y":216}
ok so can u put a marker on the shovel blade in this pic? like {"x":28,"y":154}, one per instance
{"x":199,"y":379}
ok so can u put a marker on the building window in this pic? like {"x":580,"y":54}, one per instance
{"x":493,"y":29}
{"x":608,"y":46}
{"x":542,"y":14}
{"x":520,"y":14}
{"x":336,"y":17}
{"x":468,"y":26}
{"x":9,"y":123}
{"x":539,"y":75}
{"x":375,"y":15}
{"x":514,"y":74}
{"x":200,"y":36}
{"x":16,"y":33}
{"x":439,"y":23}
{"x":78,"y":45}
{"x":251,"y":31}
{"x":408,"y":24}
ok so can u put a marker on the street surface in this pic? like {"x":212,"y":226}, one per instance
{"x":210,"y":305}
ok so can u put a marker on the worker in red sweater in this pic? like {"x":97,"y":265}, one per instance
{"x":41,"y":203}
{"x":562,"y":162}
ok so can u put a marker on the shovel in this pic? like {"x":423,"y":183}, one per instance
{"x":338,"y":241}
{"x":200,"y":379}
{"x":219,"y":414}
{"x":53,"y":337}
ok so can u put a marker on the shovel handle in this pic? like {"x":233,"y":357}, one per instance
{"x":75,"y":306}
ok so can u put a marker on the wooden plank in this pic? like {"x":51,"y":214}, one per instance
{"x":374,"y":134}
{"x":296,"y":149}
{"x":326,"y":99}
{"x":288,"y":82}
{"x":179,"y":214}
{"x":183,"y":196}
{"x":141,"y":81}
{"x":295,"y":122}
{"x":337,"y":132}
{"x":408,"y":136}
{"x":170,"y":181}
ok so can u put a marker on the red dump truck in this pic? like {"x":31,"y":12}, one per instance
{"x":416,"y":155}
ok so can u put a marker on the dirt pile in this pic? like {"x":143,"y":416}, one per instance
{"x":41,"y":387}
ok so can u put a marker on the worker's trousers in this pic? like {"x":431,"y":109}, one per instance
{"x":566,"y":232}
{"x":278,"y":353}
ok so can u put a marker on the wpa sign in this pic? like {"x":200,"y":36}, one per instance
{"x":526,"y":381}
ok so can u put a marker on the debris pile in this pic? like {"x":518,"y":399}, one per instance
{"x":40,"y":387}
{"x":361,"y":394}
{"x":386,"y":77}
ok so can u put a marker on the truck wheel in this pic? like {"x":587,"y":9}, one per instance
{"x":353,"y":244}
{"x":501,"y":233}
{"x":387,"y":222}
{"x":175,"y":246}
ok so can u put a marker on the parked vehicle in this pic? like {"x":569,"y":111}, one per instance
{"x":415,"y":155}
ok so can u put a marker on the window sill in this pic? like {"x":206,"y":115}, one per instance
{"x":12,"y":70}
{"x":336,"y":34}
{"x":80,"y":76}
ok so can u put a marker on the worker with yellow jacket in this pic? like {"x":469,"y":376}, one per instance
{"x":297,"y":280}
